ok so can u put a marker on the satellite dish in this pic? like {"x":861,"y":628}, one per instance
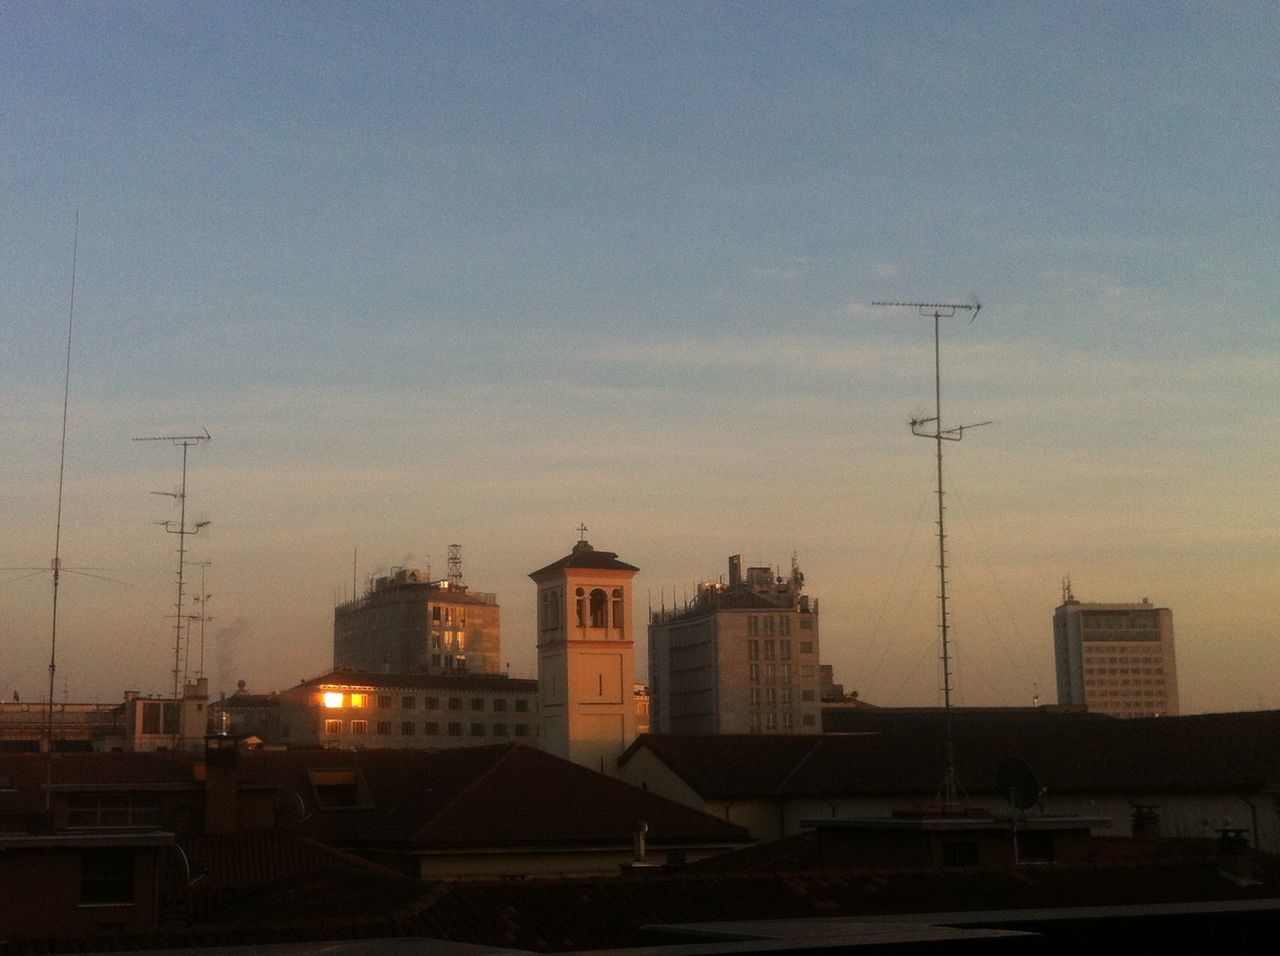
{"x":1018,"y":783}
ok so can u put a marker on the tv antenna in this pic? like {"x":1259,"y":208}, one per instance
{"x":932,"y":428}
{"x":455,"y":566}
{"x":202,"y":600}
{"x":185,"y":442}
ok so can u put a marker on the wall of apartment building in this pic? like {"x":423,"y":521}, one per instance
{"x":407,"y":625}
{"x":452,"y":713}
{"x":1116,"y":659}
{"x":736,"y":671}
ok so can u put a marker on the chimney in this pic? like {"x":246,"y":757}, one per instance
{"x":221,"y":784}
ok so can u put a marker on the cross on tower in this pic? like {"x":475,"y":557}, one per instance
{"x":582,"y":532}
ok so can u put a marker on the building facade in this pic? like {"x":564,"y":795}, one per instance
{"x":740,"y":658}
{"x":1116,"y":659}
{"x":586,"y":657}
{"x":353,"y":710}
{"x":407,"y":623}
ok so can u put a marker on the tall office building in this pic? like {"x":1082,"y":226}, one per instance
{"x":586,"y":657}
{"x":739,"y":658}
{"x":407,"y":623}
{"x":1115,"y":659}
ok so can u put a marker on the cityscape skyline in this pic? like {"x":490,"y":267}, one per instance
{"x":479,"y":274}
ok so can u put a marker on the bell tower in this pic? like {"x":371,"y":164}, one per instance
{"x":586,"y":656}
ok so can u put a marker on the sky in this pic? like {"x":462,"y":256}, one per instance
{"x":478,"y":273}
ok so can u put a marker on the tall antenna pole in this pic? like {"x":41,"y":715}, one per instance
{"x":185,"y":442}
{"x":56,"y":564}
{"x":939,"y":311}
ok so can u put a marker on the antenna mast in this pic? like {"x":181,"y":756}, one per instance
{"x":203,"y":617}
{"x":919,"y":428}
{"x":455,"y":566}
{"x":56,"y":564}
{"x":185,"y":442}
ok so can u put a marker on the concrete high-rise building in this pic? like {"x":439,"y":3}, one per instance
{"x":1115,"y":659}
{"x":407,"y":623}
{"x":740,"y":658}
{"x":586,"y":657}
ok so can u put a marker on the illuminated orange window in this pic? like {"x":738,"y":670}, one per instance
{"x":332,"y":699}
{"x":359,"y":700}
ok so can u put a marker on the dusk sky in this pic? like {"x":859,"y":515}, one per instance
{"x":480,"y":272}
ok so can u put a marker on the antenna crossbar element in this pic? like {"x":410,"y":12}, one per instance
{"x":932,"y":428}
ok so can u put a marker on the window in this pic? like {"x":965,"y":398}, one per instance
{"x":753,"y":673}
{"x":786,"y":697}
{"x":333,"y":726}
{"x":159,"y":717}
{"x":771,"y":697}
{"x":960,"y":854}
{"x":806,"y":647}
{"x":477,"y":703}
{"x":784,"y":649}
{"x":806,"y":623}
{"x":455,"y":730}
{"x":770,"y":648}
{"x":755,"y":722}
{"x":753,"y":626}
{"x":755,"y":696}
{"x":337,"y":788}
{"x":617,"y":608}
{"x":432,"y":703}
{"x":806,"y":695}
{"x":114,"y":810}
{"x":408,"y":703}
{"x":786,"y":721}
{"x":808,"y":720}
{"x":770,"y":721}
{"x":768,"y":623}
{"x":360,"y":700}
{"x":522,"y":706}
{"x":500,"y":730}
{"x":384,"y":701}
{"x":806,"y":670}
{"x":431,"y":728}
{"x":581,"y":605}
{"x":359,"y":726}
{"x":499,"y":704}
{"x":455,"y":703}
{"x":785,"y":671}
{"x":522,"y":730}
{"x":384,"y":727}
{"x":753,"y":650}
{"x":769,"y":673}
{"x":784,"y":625}
{"x":477,"y":730}
{"x":106,"y":876}
{"x":408,"y":728}
{"x":599,"y":608}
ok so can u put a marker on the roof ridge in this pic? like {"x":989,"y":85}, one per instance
{"x":817,"y":742}
{"x":463,"y":791}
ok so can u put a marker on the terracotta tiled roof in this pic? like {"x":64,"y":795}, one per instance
{"x":513,"y":794}
{"x":497,"y":683}
{"x":585,"y":556}
{"x":903,"y":752}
